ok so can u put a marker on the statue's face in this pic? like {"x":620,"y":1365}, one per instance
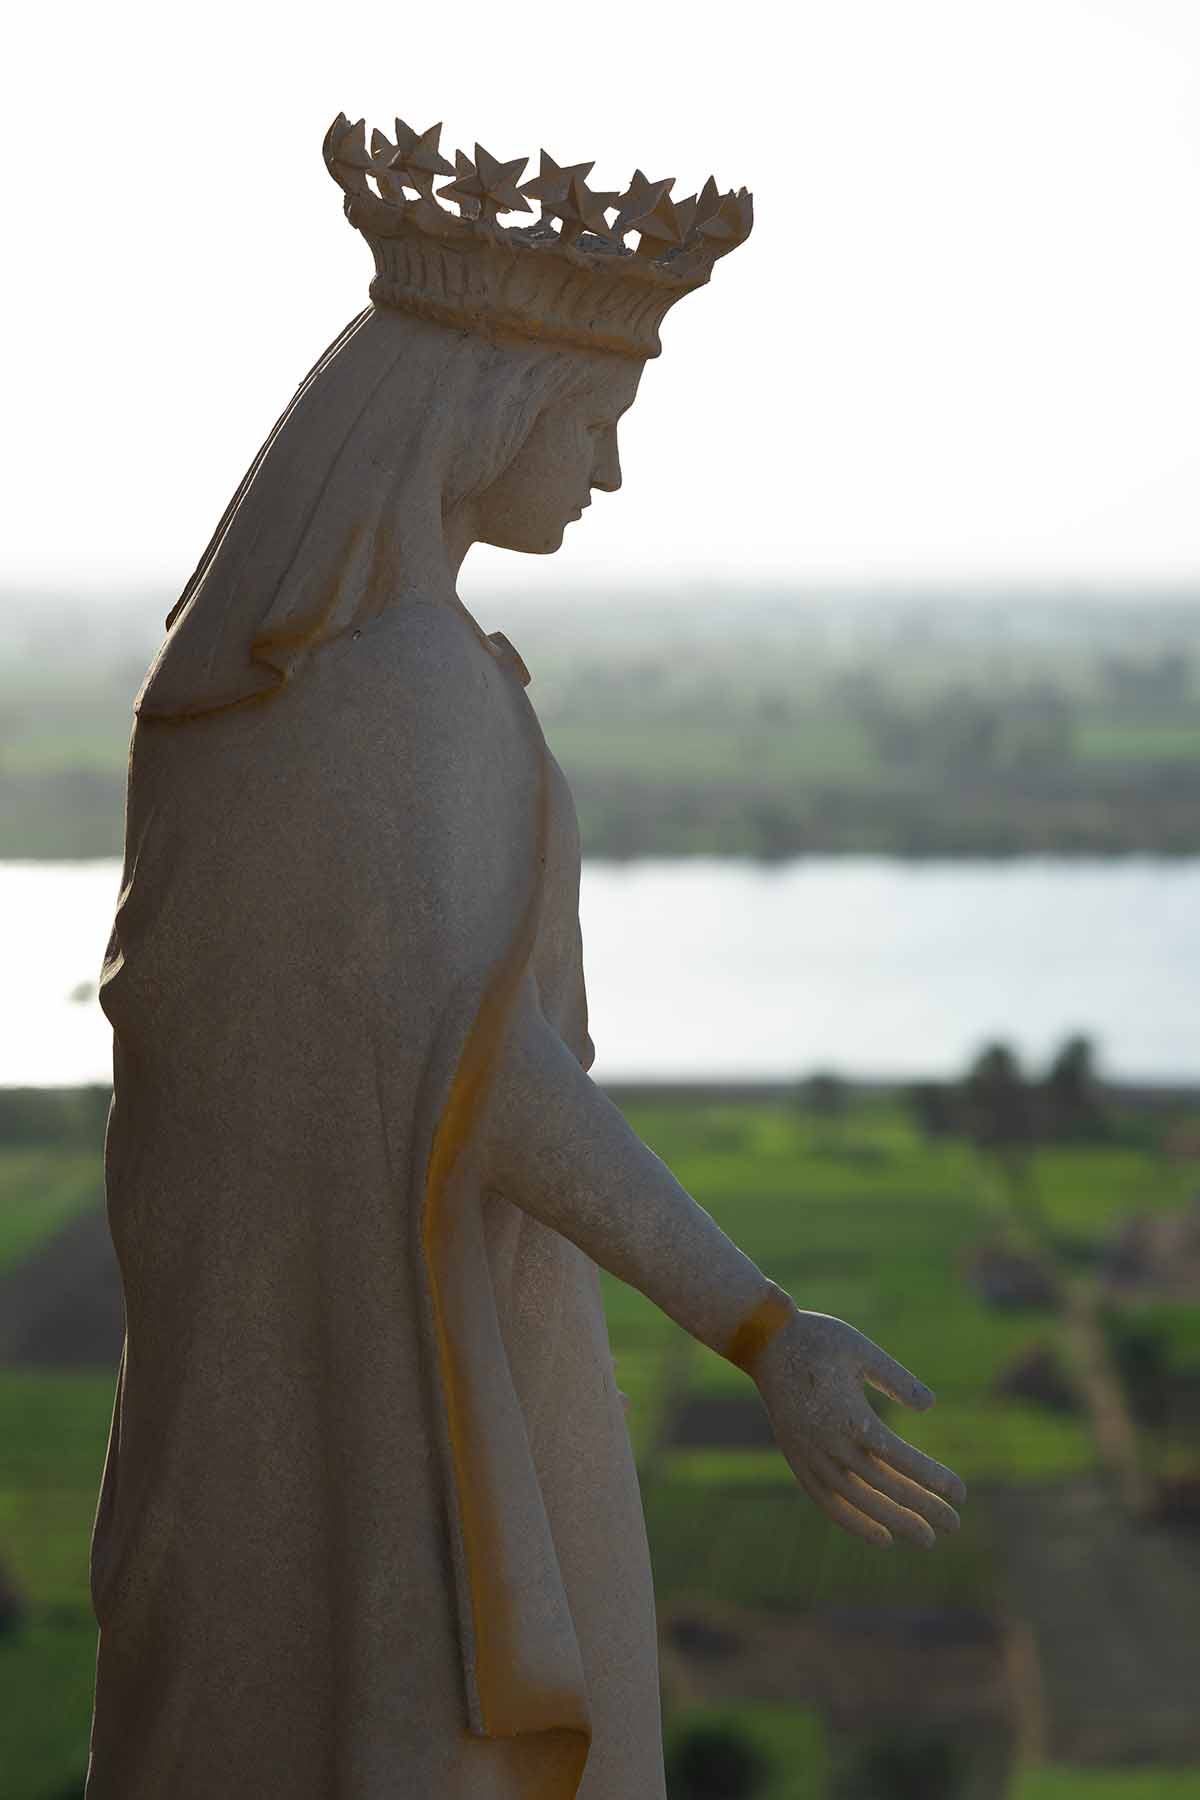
{"x":571,"y":450}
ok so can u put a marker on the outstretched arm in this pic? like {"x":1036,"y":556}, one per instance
{"x":559,"y":1148}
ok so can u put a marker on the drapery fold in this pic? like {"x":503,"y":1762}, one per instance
{"x":521,"y":1660}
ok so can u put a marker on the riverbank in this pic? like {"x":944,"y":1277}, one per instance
{"x":628,"y":808}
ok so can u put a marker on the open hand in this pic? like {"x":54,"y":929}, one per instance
{"x":860,"y":1473}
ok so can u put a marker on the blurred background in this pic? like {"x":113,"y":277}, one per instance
{"x":878,"y":687}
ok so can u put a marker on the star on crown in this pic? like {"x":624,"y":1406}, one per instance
{"x":564,"y":195}
{"x":489,"y":182}
{"x":730,"y":223}
{"x":692,"y":212}
{"x":647,"y":209}
{"x":418,"y":158}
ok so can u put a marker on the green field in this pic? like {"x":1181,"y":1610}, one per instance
{"x":1116,"y":1784}
{"x":40,"y":1191}
{"x":857,"y":1215}
{"x":53,"y":1432}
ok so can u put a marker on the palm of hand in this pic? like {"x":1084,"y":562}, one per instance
{"x":860,"y":1473}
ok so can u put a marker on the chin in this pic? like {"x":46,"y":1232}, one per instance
{"x":529,"y":545}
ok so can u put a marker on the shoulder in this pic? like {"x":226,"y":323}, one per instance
{"x":417,"y":691}
{"x":425,"y":654}
{"x":424,"y":644}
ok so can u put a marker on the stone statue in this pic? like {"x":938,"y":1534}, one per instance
{"x":369,"y":1523}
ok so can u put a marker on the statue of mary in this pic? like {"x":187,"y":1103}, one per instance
{"x":369,"y":1523}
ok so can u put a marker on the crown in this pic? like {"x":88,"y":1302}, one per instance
{"x":569,"y":278}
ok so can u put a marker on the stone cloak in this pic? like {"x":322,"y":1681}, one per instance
{"x":321,"y":1563}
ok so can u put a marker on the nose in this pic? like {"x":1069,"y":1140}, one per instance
{"x":606,"y":471}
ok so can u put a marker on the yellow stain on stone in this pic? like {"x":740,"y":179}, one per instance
{"x":762,"y":1323}
{"x":509,"y":1705}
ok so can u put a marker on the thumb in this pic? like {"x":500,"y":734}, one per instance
{"x":893,"y":1379}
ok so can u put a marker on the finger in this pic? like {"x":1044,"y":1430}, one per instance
{"x":909,"y":1493}
{"x":893,"y":1379}
{"x":883,"y":1443}
{"x":853,"y":1520}
{"x":842,"y":1513}
{"x":868,"y":1499}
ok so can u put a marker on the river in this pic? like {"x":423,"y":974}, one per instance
{"x":707,"y":969}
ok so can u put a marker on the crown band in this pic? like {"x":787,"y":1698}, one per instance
{"x":540,"y":289}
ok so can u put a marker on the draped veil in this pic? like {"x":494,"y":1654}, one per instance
{"x":396,"y":424}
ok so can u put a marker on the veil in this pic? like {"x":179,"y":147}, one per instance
{"x":398,"y":422}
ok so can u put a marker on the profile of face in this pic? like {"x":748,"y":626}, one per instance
{"x":571,"y":449}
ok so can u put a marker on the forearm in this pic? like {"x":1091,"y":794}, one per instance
{"x":559,"y":1148}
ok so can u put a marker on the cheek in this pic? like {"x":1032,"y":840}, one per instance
{"x":570,"y":444}
{"x":566,"y":466}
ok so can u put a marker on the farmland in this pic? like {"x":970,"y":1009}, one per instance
{"x":856,"y":1213}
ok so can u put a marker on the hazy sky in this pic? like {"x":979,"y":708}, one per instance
{"x":963,"y":339}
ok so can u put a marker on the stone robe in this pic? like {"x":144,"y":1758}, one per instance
{"x":369,"y":1523}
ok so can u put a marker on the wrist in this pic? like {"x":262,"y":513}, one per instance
{"x":759,"y":1327}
